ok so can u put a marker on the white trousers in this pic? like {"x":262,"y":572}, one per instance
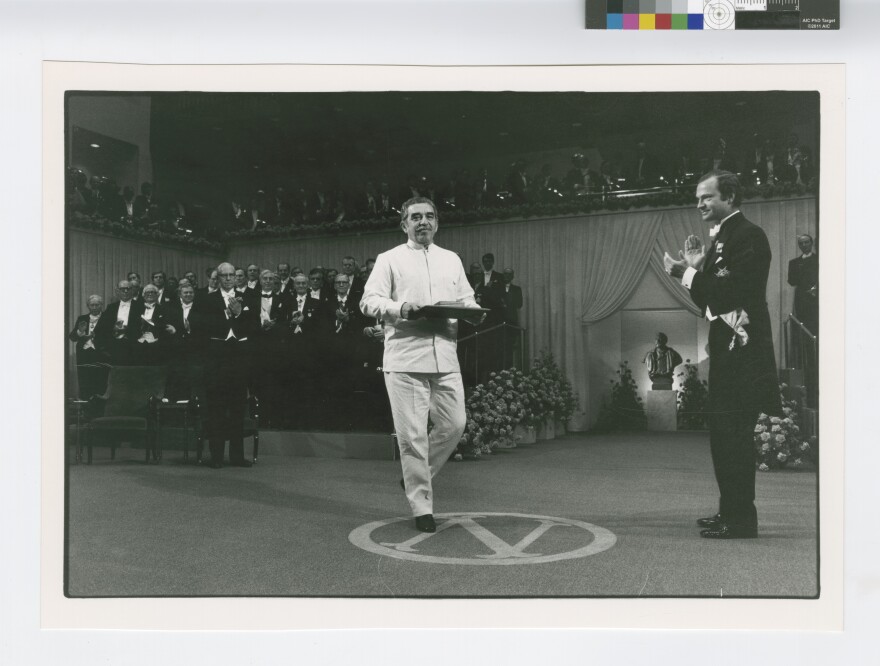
{"x":415,"y":397}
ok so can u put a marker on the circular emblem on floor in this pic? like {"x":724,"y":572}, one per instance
{"x":484,"y":538}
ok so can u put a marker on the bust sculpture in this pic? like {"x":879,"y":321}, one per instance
{"x":661,"y":362}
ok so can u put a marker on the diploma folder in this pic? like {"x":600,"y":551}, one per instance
{"x":451,"y":310}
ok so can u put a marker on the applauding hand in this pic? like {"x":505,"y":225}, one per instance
{"x":694,"y":253}
{"x":673,"y":267}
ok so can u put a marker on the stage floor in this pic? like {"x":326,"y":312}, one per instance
{"x":582,"y":516}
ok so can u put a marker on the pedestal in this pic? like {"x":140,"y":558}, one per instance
{"x":662,"y":410}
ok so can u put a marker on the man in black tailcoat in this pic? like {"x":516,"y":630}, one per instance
{"x":269,"y":349}
{"x":729,"y":284}
{"x":803,"y":275}
{"x":119,"y":326}
{"x":226,"y":323}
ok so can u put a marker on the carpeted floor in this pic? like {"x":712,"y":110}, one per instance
{"x":284,"y":526}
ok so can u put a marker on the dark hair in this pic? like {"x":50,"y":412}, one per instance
{"x":728,"y":185}
{"x":316,"y":271}
{"x":489,"y":255}
{"x":404,"y":207}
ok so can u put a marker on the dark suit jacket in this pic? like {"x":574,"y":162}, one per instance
{"x":734,"y":276}
{"x":513,"y":302}
{"x":491,"y":296}
{"x":803,"y":274}
{"x":119,"y":349}
{"x":211,"y":322}
{"x":74,"y":336}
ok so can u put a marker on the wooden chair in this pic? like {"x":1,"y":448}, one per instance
{"x":129,"y":407}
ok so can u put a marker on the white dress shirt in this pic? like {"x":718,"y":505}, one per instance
{"x":410,"y":273}
{"x":122,"y":313}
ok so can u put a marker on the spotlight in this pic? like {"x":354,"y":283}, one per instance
{"x":95,"y":145}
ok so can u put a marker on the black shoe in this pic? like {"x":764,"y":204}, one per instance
{"x":426,"y":523}
{"x":725,"y":531}
{"x":240,"y":463}
{"x":711,"y":522}
{"x":402,"y":484}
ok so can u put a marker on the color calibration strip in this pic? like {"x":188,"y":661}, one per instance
{"x":713,"y":14}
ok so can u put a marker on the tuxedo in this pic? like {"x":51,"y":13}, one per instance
{"x":225,"y":338}
{"x":268,"y":351}
{"x":803,"y":274}
{"x":184,"y":352}
{"x":306,"y":376}
{"x":91,"y":370}
{"x":511,"y":297}
{"x":120,"y":348}
{"x":151,"y":344}
{"x":742,"y":377}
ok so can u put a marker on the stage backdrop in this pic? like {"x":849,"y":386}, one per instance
{"x":594,"y":288}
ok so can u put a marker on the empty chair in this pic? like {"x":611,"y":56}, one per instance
{"x":129,"y":408}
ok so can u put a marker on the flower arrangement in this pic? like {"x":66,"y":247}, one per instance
{"x":625,"y":410}
{"x":778,"y":441}
{"x":511,"y":398}
{"x":693,"y":398}
{"x":493,"y":410}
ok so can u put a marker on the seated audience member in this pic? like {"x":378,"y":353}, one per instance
{"x":193,"y":279}
{"x":546,"y":188}
{"x":644,"y":169}
{"x":518,"y":183}
{"x":386,"y":206}
{"x":119,"y":326}
{"x":91,"y":374}
{"x":240,"y":218}
{"x":184,"y":353}
{"x":145,"y":206}
{"x":581,"y":179}
{"x":330,"y":279}
{"x":268,"y":348}
{"x":791,"y":167}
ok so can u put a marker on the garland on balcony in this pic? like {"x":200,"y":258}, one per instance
{"x":78,"y":220}
{"x":582,"y":205}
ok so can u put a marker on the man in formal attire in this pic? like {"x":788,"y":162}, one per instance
{"x":341,"y":362}
{"x":317,"y":290}
{"x":134,"y":279}
{"x":729,"y":284}
{"x":308,"y":329}
{"x":422,"y":374}
{"x":253,"y":277}
{"x":241,"y":286}
{"x":268,"y":349}
{"x":283,"y":273}
{"x":226,"y":323}
{"x":192,"y":278}
{"x":150,"y":346}
{"x":184,"y":352}
{"x":349,"y":268}
{"x":160,"y":280}
{"x":512,"y":300}
{"x":210,"y":288}
{"x":91,"y":371}
{"x":803,"y":275}
{"x":119,"y":326}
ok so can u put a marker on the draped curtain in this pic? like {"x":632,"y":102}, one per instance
{"x":574,"y":271}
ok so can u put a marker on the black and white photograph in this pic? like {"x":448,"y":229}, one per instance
{"x":351,"y":332}
{"x":589,"y":319}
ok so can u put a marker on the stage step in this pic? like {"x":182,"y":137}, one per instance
{"x":360,"y":445}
